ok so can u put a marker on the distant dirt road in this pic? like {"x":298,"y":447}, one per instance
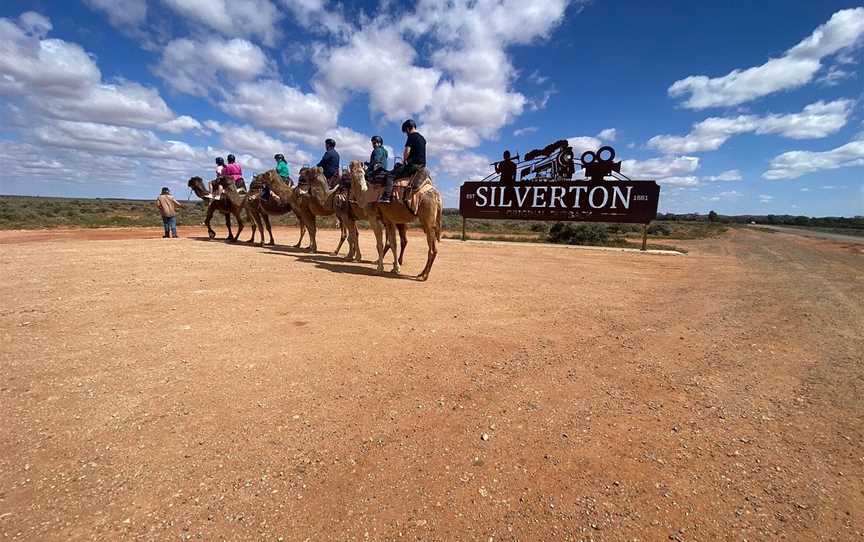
{"x":158,"y":389}
{"x":814,"y":233}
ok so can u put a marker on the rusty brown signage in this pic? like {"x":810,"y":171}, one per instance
{"x":589,"y":201}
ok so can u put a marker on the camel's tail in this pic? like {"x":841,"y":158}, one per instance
{"x":438,"y":218}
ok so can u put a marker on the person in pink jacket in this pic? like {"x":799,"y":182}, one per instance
{"x":233,"y":170}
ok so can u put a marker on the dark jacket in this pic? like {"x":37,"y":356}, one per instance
{"x":330,"y":163}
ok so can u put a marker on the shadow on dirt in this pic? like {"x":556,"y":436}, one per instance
{"x":321,"y":260}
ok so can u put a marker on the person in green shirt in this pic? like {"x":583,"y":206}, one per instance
{"x":283,"y":171}
{"x":282,"y":168}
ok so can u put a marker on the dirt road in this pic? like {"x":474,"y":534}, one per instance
{"x":808,"y":232}
{"x":189,"y":390}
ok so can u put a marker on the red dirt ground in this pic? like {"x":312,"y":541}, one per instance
{"x":182,"y":389}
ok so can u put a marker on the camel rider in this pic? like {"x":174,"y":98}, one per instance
{"x":232,"y":169}
{"x":330,"y":162}
{"x":413,"y":158}
{"x":282,"y":170}
{"x":215,"y":188}
{"x":378,"y":159}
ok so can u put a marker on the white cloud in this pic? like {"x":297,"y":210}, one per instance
{"x":271,"y":104}
{"x":466,"y":94}
{"x":765,"y":198}
{"x":816,"y":120}
{"x":525,"y":131}
{"x":608,"y":134}
{"x":581,"y":144}
{"x":56,"y":78}
{"x":378,"y":61}
{"x":246,"y":139}
{"x":685,"y":181}
{"x":129,"y":13}
{"x":317,"y":16}
{"x":805,"y":189}
{"x":238,"y":18}
{"x":679,"y":167}
{"x":729,"y":175}
{"x":197,"y":67}
{"x":793,"y":164}
{"x":797,"y":67}
{"x":466,"y":166}
{"x":50,"y":67}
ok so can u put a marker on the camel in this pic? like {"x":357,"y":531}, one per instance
{"x":319,"y":200}
{"x":359,"y":212}
{"x":231,"y":203}
{"x":285,"y":201}
{"x":385,"y":216}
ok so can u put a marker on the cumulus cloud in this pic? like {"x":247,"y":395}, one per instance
{"x":816,"y":120}
{"x":794,"y":164}
{"x":466,"y":92}
{"x":679,"y":167}
{"x":198,"y":67}
{"x":121,"y":13}
{"x":730,"y":175}
{"x":525,"y":131}
{"x":465,"y":166}
{"x":581,"y":144}
{"x":236,"y":18}
{"x":248,"y":140}
{"x":380,"y":62}
{"x":271,"y":104}
{"x":608,"y":134}
{"x":58,"y":79}
{"x":797,"y":67}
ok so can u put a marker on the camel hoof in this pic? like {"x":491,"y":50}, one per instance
{"x":272,"y":243}
{"x":211,"y":234}
{"x":423,"y":278}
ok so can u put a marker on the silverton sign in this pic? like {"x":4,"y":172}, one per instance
{"x":590,"y":201}
{"x":545,"y":189}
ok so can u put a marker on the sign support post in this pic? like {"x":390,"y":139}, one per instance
{"x":463,"y":228}
{"x":644,"y":236}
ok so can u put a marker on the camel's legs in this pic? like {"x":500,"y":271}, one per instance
{"x":391,"y":240}
{"x":255,"y":218}
{"x":403,"y":238}
{"x":228,"y":225}
{"x":355,"y":237}
{"x":210,"y":210}
{"x":432,"y":242}
{"x":302,"y":232}
{"x":266,"y":218}
{"x":343,"y":231}
{"x":239,"y":225}
{"x":378,"y":229}
{"x":253,"y":225}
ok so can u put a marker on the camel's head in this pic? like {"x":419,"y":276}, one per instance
{"x":358,"y":174}
{"x":197,"y":185}
{"x":265,"y":178}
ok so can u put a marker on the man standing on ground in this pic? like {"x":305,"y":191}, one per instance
{"x":168,"y":209}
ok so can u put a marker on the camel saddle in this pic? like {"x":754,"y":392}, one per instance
{"x":409,"y":189}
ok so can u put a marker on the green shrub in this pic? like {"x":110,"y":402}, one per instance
{"x":578,"y":234}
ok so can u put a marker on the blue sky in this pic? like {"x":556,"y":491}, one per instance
{"x":736,"y":107}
